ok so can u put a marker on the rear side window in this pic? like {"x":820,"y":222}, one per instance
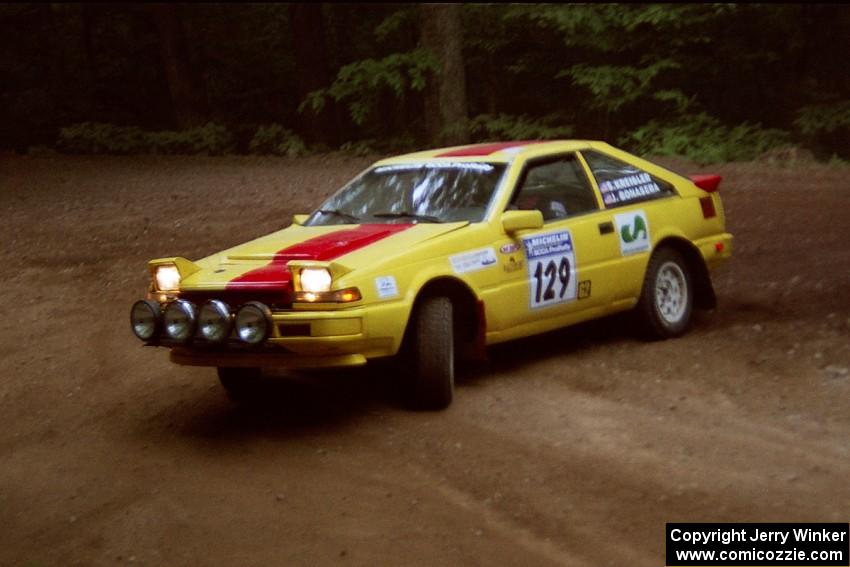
{"x":624,"y":184}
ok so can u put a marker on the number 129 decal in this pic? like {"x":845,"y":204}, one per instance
{"x":551,"y":268}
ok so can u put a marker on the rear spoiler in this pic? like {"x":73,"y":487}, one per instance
{"x":707,"y":183}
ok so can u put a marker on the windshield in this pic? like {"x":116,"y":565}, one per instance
{"x":412,"y":193}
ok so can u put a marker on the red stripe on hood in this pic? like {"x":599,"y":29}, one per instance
{"x":276,"y":276}
{"x":486,"y":149}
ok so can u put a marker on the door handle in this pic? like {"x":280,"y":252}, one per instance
{"x":606,"y":227}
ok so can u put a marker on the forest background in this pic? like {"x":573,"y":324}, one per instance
{"x":710,"y":82}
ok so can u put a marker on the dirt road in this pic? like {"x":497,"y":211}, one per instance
{"x":570,"y":449}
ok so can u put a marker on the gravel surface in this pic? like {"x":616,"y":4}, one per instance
{"x":573,"y":448}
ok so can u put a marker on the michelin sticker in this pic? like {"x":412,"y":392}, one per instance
{"x":551,"y":268}
{"x":473,"y":261}
{"x":633,"y":229}
{"x":386,"y":287}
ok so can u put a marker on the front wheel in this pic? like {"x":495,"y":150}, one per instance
{"x":433,"y":354}
{"x":666,"y":302}
{"x":240,"y":383}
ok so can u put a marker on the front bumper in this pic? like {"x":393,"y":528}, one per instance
{"x":311,"y":339}
{"x":264,"y":359}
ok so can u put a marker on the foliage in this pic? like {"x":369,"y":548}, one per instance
{"x":277,"y":140}
{"x":820,"y":118}
{"x":704,"y":139}
{"x":835,"y":161}
{"x":522,"y":127}
{"x":98,"y":138}
{"x":394,"y":24}
{"x":707,"y":80}
{"x":359,"y":84}
{"x":614,"y":86}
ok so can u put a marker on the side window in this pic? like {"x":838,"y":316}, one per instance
{"x":624,"y":184}
{"x":558,"y":188}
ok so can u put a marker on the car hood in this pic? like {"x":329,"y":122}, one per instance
{"x":261,"y":264}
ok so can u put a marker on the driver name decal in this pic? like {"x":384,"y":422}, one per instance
{"x":629,"y":188}
{"x":551,"y":268}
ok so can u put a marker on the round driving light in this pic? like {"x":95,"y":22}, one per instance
{"x":214,"y":321}
{"x":145,"y":319}
{"x":253,"y":322}
{"x":180,"y":320}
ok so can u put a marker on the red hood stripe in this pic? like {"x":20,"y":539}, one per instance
{"x":486,"y":149}
{"x":276,"y":276}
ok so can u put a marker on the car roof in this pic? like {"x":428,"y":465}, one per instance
{"x":493,"y":152}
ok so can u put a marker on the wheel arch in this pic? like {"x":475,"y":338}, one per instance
{"x":467,"y":311}
{"x":704,"y":296}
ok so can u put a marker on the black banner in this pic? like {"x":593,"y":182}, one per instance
{"x":761,"y":545}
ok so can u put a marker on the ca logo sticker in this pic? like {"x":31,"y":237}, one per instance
{"x":636,"y":231}
{"x":633,"y":230}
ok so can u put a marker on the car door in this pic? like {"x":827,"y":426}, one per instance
{"x":559,"y":270}
{"x":634,"y":204}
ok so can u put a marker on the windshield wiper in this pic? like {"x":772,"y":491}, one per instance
{"x":406,"y":214}
{"x":339,"y":213}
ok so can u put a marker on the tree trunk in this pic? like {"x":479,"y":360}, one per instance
{"x":446,"y":120}
{"x":307,"y":27}
{"x":88,"y":46}
{"x":187,"y":98}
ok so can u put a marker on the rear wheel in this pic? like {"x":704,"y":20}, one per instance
{"x":666,"y":302}
{"x":240,"y":383}
{"x":433,"y":354}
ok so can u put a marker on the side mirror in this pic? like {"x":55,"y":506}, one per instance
{"x":514,"y":221}
{"x":299,"y":219}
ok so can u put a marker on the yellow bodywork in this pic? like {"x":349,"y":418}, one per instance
{"x":391,"y":272}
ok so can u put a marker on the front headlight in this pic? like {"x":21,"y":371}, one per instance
{"x":167,"y":277}
{"x":315,"y":280}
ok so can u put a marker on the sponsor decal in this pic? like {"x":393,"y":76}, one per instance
{"x":629,"y":188}
{"x":633,"y":230}
{"x":512,"y":265}
{"x":551,"y":268}
{"x":509,"y":248}
{"x":469,"y":166}
{"x":473,"y":260}
{"x":584,"y":289}
{"x":275,"y":276}
{"x":386,"y":287}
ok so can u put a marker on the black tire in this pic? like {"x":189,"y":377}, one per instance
{"x":241,"y":384}
{"x":433,"y":354}
{"x":664,"y":309}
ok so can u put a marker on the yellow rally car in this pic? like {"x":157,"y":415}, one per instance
{"x":435,"y":255}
